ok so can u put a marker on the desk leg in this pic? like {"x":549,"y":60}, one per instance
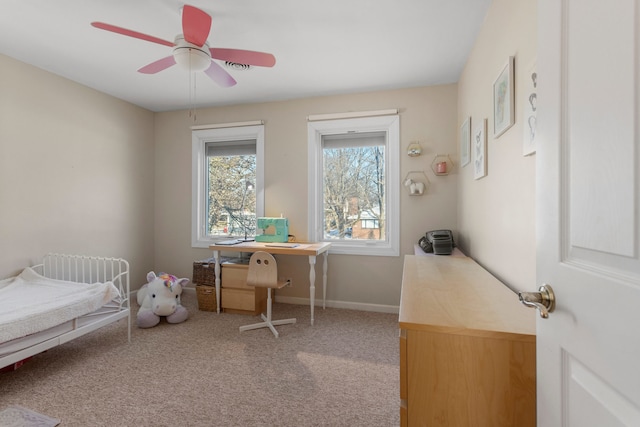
{"x":216,"y":255}
{"x":325,"y":267}
{"x":312,"y":284}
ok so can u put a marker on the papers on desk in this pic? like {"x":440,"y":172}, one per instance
{"x":228,"y":242}
{"x":281,"y":245}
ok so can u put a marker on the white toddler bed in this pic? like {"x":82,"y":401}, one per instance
{"x":63,"y":298}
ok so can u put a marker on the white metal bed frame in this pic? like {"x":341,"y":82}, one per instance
{"x":80,"y":269}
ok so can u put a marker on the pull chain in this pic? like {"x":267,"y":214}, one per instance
{"x":195,"y":97}
{"x":192,"y":93}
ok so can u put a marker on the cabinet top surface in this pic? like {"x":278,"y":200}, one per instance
{"x":455,"y":294}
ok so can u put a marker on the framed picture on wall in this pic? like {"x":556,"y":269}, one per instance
{"x":465,"y":142}
{"x":529,"y":107}
{"x":503,"y":100}
{"x":479,"y":150}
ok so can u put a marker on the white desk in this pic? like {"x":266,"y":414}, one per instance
{"x":312,"y":250}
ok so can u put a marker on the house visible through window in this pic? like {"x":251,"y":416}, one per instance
{"x":227,"y":183}
{"x":353,"y":184}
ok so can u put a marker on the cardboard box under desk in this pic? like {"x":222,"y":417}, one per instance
{"x":236,"y":296}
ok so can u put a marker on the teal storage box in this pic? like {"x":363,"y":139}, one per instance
{"x":273,"y":230}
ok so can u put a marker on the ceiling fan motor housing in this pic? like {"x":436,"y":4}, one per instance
{"x":191,"y":57}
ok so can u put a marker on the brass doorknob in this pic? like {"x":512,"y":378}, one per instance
{"x":544,"y":300}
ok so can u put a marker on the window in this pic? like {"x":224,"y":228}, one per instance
{"x":354,"y":184}
{"x":227,"y":181}
{"x":369,"y":223}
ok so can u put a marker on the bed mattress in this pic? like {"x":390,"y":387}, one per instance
{"x":31,"y":303}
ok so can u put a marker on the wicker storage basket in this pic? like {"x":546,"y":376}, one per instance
{"x":204,"y":272}
{"x":204,"y":277}
{"x":206,"y":297}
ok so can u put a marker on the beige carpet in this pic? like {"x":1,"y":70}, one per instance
{"x":343,"y":371}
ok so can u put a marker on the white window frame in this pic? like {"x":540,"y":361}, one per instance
{"x":199,"y":140}
{"x":391,"y":126}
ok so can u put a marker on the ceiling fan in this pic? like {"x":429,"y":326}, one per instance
{"x":191,"y":50}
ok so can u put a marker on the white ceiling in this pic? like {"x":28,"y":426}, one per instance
{"x":322,"y":47}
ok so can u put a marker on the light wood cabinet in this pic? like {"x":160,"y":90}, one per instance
{"x":236,"y":296}
{"x":467,"y":347}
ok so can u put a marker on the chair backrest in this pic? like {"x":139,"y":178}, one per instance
{"x":263,"y":270}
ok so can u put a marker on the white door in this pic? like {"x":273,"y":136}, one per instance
{"x":588,"y":219}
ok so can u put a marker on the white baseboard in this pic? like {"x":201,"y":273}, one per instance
{"x":379,"y":308}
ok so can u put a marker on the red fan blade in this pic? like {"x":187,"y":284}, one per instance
{"x":131,"y":33}
{"x":248,"y":57}
{"x":219,"y":75}
{"x":196,"y":25}
{"x":157,"y":66}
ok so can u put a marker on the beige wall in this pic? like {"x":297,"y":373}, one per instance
{"x":427,"y":114}
{"x":496,"y":214}
{"x":83,"y":172}
{"x":76,"y":172}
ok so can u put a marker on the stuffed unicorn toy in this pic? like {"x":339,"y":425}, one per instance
{"x":160,"y":296}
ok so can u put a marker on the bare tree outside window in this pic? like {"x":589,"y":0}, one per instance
{"x":231,"y":195}
{"x":354,"y":190}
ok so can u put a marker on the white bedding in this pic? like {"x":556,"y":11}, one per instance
{"x":30,"y":302}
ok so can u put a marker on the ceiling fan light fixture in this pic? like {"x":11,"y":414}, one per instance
{"x":191,"y":57}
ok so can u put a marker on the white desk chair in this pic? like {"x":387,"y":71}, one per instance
{"x":263,"y":272}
